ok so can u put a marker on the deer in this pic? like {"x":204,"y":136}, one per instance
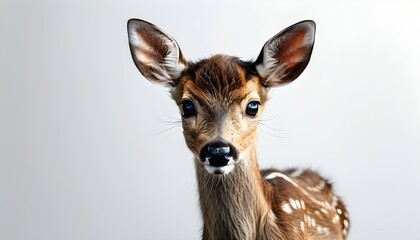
{"x":221,"y":99}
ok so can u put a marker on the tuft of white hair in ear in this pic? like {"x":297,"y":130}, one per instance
{"x":171,"y":61}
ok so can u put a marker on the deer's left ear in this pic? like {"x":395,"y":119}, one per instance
{"x":155,"y":53}
{"x":285,"y":56}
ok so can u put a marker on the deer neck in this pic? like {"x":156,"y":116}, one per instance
{"x":234,"y":206}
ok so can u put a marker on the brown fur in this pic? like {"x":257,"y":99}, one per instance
{"x":245,"y":203}
{"x":241,"y":205}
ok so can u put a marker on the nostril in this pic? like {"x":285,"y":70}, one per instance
{"x":218,"y":151}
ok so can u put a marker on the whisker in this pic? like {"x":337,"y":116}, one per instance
{"x":271,"y":128}
{"x":211,"y":185}
{"x":233,"y":182}
{"x":271,"y":134}
{"x":167,"y":130}
{"x":170,"y":122}
{"x":176,"y":123}
{"x":267,"y":119}
{"x":205,"y":182}
{"x":264,"y":127}
{"x":238,"y":178}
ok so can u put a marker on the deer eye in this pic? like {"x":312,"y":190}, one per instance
{"x":252,"y":108}
{"x":188,"y":109}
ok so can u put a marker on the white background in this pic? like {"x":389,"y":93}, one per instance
{"x":86,"y":150}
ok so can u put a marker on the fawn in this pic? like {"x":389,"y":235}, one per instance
{"x":221,"y":100}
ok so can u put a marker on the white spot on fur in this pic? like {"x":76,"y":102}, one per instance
{"x":285,"y":177}
{"x":323,"y":230}
{"x":286,"y":208}
{"x":346,"y":224}
{"x":318,"y":187}
{"x":297,"y":172}
{"x":297,"y":204}
{"x":339,"y":211}
{"x":302,"y":226}
{"x":310,"y":221}
{"x":292,"y":202}
{"x":335,"y":218}
{"x":319,"y":229}
{"x":313,"y":222}
{"x":302,"y":203}
{"x":279,"y":174}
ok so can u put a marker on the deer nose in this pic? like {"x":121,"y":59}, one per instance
{"x":218,"y":154}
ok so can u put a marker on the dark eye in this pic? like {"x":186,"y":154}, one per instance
{"x":252,"y":108}
{"x":188,"y":109}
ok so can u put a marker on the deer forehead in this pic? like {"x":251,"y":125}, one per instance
{"x":220,"y":82}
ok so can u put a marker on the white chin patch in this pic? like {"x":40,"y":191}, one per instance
{"x":219,"y":170}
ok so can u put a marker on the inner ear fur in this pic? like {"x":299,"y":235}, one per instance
{"x":155,"y":53}
{"x":284,"y":57}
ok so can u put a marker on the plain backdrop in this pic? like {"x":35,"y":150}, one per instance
{"x":91,"y":150}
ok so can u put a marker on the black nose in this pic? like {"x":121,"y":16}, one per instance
{"x":218,"y":154}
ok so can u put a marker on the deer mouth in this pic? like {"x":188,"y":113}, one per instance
{"x":220,"y":169}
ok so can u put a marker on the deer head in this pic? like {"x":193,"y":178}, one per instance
{"x":220,"y":98}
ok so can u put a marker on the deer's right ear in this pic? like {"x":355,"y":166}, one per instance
{"x":155,"y":53}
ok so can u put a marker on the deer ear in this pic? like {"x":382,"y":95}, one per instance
{"x":155,"y":53}
{"x":285,"y":56}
